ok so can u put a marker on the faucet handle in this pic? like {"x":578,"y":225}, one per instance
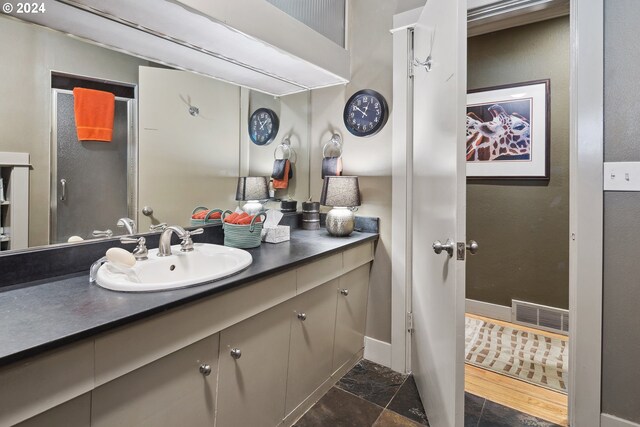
{"x":127,"y":240}
{"x":141,"y":252}
{"x":102,"y":233}
{"x":196,"y":231}
{"x":187,"y":243}
{"x":158,"y":227}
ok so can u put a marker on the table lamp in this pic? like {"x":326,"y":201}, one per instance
{"x":252,"y":189}
{"x":343,"y":194}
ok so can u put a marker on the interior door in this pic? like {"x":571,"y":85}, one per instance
{"x":189,"y":146}
{"x":439,"y":93}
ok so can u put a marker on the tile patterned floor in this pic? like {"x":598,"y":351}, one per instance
{"x":371,"y":395}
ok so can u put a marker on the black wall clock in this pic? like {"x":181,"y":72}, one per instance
{"x":263,"y":126}
{"x":365,"y":113}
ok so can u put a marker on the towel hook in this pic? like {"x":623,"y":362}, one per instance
{"x":335,"y":141}
{"x":427,"y":63}
{"x":285,"y":146}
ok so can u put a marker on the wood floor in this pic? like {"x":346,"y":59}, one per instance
{"x":522,"y":396}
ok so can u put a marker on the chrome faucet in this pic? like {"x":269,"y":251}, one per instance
{"x":128,"y":224}
{"x":164,"y":248}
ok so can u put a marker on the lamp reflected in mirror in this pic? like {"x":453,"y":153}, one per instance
{"x":253,"y":190}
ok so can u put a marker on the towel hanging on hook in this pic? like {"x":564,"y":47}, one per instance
{"x":332,"y":164}
{"x":282,"y":168}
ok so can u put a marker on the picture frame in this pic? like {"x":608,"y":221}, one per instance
{"x":508,"y":131}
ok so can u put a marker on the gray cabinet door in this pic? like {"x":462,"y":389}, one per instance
{"x":252,"y":387}
{"x":311,"y":348}
{"x":172,"y":391}
{"x":351,"y":315}
{"x":74,"y":413}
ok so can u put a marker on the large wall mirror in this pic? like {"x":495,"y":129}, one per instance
{"x":180,"y":140}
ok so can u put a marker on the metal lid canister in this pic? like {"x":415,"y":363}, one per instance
{"x":311,"y":215}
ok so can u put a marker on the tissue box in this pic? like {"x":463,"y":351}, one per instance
{"x":277,"y":234}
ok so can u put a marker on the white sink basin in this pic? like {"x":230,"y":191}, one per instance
{"x":205,"y":263}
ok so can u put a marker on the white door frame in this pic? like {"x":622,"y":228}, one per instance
{"x":586,"y":204}
{"x":586,"y":211}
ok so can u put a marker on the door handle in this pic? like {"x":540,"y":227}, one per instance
{"x":63,"y":192}
{"x":438,"y":247}
{"x":473,"y":247}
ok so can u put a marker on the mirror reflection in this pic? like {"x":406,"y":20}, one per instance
{"x":96,"y":143}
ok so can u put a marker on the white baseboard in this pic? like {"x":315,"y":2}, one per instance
{"x":486,"y":309}
{"x":377,"y":351}
{"x":607,"y":420}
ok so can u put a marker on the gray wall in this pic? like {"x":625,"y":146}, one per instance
{"x":523,"y":226}
{"x":621,"y":298}
{"x":371,"y":48}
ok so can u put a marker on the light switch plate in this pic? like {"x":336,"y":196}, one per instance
{"x":622,"y":176}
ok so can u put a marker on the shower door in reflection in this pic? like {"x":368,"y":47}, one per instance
{"x":93,"y":183}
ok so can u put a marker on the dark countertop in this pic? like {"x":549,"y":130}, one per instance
{"x":42,"y":316}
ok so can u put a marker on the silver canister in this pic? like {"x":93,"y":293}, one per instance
{"x":311,"y":215}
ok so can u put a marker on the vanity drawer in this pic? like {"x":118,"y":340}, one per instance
{"x":355,"y":257}
{"x":319,"y":272}
{"x":38,"y":384}
{"x":133,"y":346}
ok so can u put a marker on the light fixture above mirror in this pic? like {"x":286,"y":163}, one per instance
{"x":173,"y":34}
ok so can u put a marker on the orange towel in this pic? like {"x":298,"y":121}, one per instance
{"x":284,"y":182}
{"x":94,"y":111}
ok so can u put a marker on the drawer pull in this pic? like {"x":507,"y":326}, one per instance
{"x":205,"y":369}
{"x":302,"y":316}
{"x":344,"y":292}
{"x":236,"y":353}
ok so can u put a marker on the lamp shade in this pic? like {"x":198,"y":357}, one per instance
{"x":340,"y":191}
{"x":252,"y":188}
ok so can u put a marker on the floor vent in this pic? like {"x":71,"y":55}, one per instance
{"x":540,"y":316}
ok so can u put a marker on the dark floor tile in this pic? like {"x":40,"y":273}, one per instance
{"x":372,"y":382}
{"x":495,"y":415}
{"x":338,"y":408}
{"x":407,"y":402}
{"x":472,"y":409}
{"x":392,"y":419}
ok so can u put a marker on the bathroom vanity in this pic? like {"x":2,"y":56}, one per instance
{"x":255,"y":349}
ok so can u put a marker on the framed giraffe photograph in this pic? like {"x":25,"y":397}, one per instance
{"x":507,"y":131}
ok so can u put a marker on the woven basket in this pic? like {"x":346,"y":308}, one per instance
{"x":244,"y":236}
{"x":206,"y":220}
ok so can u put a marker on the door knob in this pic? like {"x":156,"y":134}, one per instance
{"x":302,"y":316}
{"x":205,"y":369}
{"x":473,"y":247}
{"x":344,"y":292}
{"x":438,"y":247}
{"x":147,"y":211}
{"x":236,"y":353}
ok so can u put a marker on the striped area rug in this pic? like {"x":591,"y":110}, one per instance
{"x":527,"y":356}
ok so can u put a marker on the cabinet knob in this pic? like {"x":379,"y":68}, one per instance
{"x":205,"y":369}
{"x":236,"y":353}
{"x":344,"y":292}
{"x":302,"y":316}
